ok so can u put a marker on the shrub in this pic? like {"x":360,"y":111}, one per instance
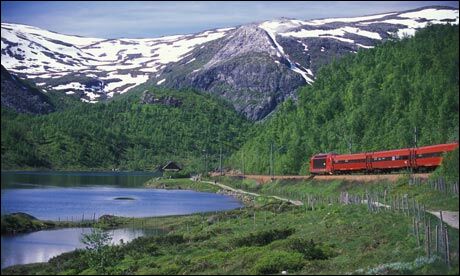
{"x":171,"y":239}
{"x":99,"y":255}
{"x":141,"y":245}
{"x":179,"y":174}
{"x":277,"y":261}
{"x":263,"y":237}
{"x":169,"y":269}
{"x":69,"y":260}
{"x":309,"y":249}
{"x":449,"y":166}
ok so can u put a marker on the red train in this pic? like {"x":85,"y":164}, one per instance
{"x":419,"y":159}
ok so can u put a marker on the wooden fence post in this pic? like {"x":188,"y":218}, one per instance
{"x":418,"y":233}
{"x":447,"y":247}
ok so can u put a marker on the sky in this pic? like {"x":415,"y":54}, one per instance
{"x":133,"y":19}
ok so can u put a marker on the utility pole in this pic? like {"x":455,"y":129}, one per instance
{"x":415,"y":136}
{"x":274,"y":157}
{"x":220,"y":161}
{"x":206,"y":158}
{"x":271,"y":161}
{"x":243,"y":163}
{"x":350,"y":145}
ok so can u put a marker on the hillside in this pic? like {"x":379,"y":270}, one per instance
{"x":370,"y":101}
{"x":255,"y":66}
{"x":21,"y":97}
{"x":139,"y":131}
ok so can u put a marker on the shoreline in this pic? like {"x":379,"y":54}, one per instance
{"x":26,"y":223}
{"x":44,"y":170}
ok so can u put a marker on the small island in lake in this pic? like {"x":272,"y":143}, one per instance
{"x":124,"y":198}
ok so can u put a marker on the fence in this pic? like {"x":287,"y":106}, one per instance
{"x":439,"y":184}
{"x":433,"y":235}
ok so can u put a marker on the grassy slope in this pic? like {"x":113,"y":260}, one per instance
{"x":180,"y":184}
{"x":301,"y":189}
{"x":22,"y":223}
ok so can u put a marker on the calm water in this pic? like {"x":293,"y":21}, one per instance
{"x":43,"y":245}
{"x":73,"y":179}
{"x":72,"y":196}
{"x":75,"y":203}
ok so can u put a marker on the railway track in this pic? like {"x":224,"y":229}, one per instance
{"x":357,"y":177}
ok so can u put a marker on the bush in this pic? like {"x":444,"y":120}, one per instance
{"x":263,"y":237}
{"x":179,"y":174}
{"x":69,"y":260}
{"x":308,"y":249}
{"x":142,"y":245}
{"x":99,"y":255}
{"x":449,"y":166}
{"x":171,"y":239}
{"x":277,"y":261}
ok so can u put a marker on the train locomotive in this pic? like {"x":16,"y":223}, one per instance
{"x":417,"y":159}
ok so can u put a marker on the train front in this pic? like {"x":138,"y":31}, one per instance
{"x":321,"y":164}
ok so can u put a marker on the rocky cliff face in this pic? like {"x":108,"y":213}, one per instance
{"x":150,"y":98}
{"x":21,"y":97}
{"x":245,"y":68}
{"x":255,"y":66}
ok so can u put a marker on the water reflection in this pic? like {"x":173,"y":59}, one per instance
{"x":71,"y":179}
{"x":43,"y":245}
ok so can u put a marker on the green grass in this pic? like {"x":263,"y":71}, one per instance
{"x":16,"y":223}
{"x":180,"y":184}
{"x":301,"y":189}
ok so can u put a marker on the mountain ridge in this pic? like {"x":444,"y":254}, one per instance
{"x":224,"y":61}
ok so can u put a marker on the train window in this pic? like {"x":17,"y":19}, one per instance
{"x":428,"y":155}
{"x":349,"y":161}
{"x":319,"y":163}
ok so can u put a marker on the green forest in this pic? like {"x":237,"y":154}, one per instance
{"x":124,"y":134}
{"x":373,"y":100}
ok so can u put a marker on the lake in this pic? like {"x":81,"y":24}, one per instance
{"x":73,"y":196}
{"x":77,"y":195}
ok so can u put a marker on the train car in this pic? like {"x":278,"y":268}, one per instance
{"x":429,"y":157}
{"x":390,"y":160}
{"x":321,"y":163}
{"x":348,"y":163}
{"x":418,"y":159}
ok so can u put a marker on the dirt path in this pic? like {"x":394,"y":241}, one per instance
{"x":448,"y":217}
{"x":225,"y":187}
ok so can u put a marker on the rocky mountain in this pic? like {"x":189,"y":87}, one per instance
{"x":22,"y":97}
{"x":254,"y":66}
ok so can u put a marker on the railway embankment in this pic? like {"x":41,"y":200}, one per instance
{"x":355,"y":177}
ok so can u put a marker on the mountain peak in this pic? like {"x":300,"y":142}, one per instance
{"x":285,"y":50}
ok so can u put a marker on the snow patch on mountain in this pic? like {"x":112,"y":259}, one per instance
{"x":95,"y":69}
{"x":432,"y":14}
{"x":121,"y":63}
